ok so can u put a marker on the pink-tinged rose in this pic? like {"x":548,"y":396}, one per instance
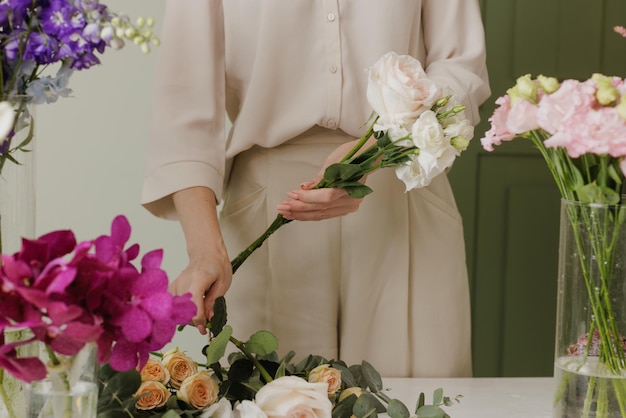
{"x":326,"y":374}
{"x":180,"y":366}
{"x":153,"y":395}
{"x":522,"y":117}
{"x":155,"y":371}
{"x":292,"y":396}
{"x":499,"y":131}
{"x":399,"y":91}
{"x":199,"y":390}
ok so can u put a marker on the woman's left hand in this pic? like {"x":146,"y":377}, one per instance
{"x":309,"y":204}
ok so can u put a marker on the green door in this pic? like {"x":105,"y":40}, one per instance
{"x":509,"y":203}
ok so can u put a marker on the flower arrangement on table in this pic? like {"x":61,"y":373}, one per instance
{"x":256,"y":383}
{"x":38,"y":35}
{"x":579,"y":127}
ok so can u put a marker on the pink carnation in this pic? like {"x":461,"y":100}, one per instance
{"x":499,"y":131}
{"x":572,"y":98}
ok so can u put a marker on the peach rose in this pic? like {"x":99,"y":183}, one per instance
{"x":326,"y":374}
{"x":199,"y":390}
{"x":153,"y":395}
{"x":155,"y":371}
{"x":179,"y":365}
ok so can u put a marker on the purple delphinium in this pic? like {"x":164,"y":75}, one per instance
{"x":70,"y":294}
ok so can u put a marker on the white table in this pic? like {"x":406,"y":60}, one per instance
{"x":527,"y":397}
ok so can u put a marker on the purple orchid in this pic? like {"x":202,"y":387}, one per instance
{"x":71,"y":294}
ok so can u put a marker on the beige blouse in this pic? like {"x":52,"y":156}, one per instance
{"x":278,"y":67}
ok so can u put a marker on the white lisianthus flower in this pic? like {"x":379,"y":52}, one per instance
{"x":7,"y":117}
{"x":291,"y":396}
{"x":248,"y":409}
{"x":399,"y":91}
{"x":221,"y":409}
{"x":460,"y":133}
{"x":424,"y":167}
{"x":428,"y":135}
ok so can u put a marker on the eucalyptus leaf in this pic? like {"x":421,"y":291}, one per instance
{"x":372,"y":377}
{"x":344,"y":408}
{"x":347,"y":378}
{"x":218,"y":345}
{"x":364,"y":406}
{"x":438,"y":396}
{"x":396,"y":409}
{"x":430,"y":411}
{"x":262,"y":343}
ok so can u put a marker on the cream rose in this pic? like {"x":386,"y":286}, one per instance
{"x":428,"y":135}
{"x":199,"y":390}
{"x":179,"y":365}
{"x":153,"y":395}
{"x":292,"y":396}
{"x":399,"y":91}
{"x":326,"y":374}
{"x":155,"y":371}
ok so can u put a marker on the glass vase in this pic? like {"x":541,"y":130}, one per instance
{"x":590,"y":360}
{"x":12,"y":390}
{"x":17,"y":178}
{"x":69,"y":390}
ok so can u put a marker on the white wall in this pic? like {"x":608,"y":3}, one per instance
{"x":90,"y":149}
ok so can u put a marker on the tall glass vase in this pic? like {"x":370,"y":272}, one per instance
{"x":17,"y":220}
{"x":70,"y":389}
{"x":590,"y":358}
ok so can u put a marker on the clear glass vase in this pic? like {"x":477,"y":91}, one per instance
{"x":12,"y":390}
{"x":590,"y":360}
{"x":17,"y":178}
{"x":70,"y":389}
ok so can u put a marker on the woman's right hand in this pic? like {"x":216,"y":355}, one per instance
{"x":206,"y":278}
{"x":208,"y":274}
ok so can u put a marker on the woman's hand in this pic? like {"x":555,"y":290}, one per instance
{"x":309,"y":204}
{"x":208,"y":274}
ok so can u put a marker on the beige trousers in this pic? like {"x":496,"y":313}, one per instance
{"x":387,"y":284}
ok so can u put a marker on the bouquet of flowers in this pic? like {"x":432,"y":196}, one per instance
{"x":579,"y":127}
{"x":416,"y":127}
{"x":70,"y":294}
{"x":255,"y":383}
{"x":39,"y":35}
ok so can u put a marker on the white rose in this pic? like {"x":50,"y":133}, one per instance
{"x":399,"y":91}
{"x":291,"y":396}
{"x":248,"y":409}
{"x":428,"y":135}
{"x":7,"y":116}
{"x":221,"y":409}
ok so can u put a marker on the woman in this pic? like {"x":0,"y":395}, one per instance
{"x":386,"y":284}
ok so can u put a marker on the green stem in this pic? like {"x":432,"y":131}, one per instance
{"x":243,"y":256}
{"x":241,"y":346}
{"x":5,"y":397}
{"x":589,"y":397}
